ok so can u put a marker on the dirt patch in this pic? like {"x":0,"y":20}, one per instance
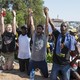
{"x":15,"y":74}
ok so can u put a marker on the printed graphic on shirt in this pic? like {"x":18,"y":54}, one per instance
{"x":39,"y":44}
{"x":7,"y":40}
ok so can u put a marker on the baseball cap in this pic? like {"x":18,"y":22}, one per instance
{"x":24,"y":27}
{"x":73,"y":30}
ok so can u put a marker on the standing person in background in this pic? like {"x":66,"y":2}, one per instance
{"x":39,"y":38}
{"x":63,"y":46}
{"x":51,"y":41}
{"x":8,"y":40}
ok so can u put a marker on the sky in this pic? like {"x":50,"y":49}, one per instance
{"x":68,"y":10}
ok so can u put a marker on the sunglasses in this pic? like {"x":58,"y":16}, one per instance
{"x":63,"y":26}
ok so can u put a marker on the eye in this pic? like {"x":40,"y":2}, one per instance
{"x":63,"y":26}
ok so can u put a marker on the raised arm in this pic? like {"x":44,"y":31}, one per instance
{"x":47,"y":20}
{"x":30,"y":21}
{"x":2,"y":20}
{"x":51,"y":23}
{"x":14,"y":22}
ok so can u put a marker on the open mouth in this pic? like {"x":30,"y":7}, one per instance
{"x":38,"y":32}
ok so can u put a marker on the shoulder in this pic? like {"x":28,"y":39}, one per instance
{"x":56,"y":33}
{"x":69,"y":36}
{"x":4,"y":33}
{"x":20,"y":35}
{"x":29,"y":38}
{"x":73,"y":39}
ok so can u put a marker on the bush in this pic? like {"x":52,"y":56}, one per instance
{"x":49,"y":58}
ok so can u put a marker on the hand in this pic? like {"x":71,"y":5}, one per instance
{"x":3,"y":12}
{"x":3,"y":9}
{"x":30,"y":11}
{"x":14,"y":13}
{"x":62,"y":45}
{"x":46,"y":10}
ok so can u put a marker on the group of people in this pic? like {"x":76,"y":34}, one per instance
{"x":32,"y":57}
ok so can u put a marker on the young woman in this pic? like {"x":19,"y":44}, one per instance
{"x":8,"y":33}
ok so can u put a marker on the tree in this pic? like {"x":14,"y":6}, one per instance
{"x":8,"y":18}
{"x":37,"y":7}
{"x":21,"y":7}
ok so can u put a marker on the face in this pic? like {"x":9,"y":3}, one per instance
{"x":63,"y":28}
{"x":24,"y":31}
{"x":50,"y":36}
{"x":39,"y":30}
{"x":75,"y":33}
{"x":9,"y":28}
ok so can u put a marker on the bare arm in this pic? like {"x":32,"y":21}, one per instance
{"x":31,"y":22}
{"x":52,"y":25}
{"x":14,"y":22}
{"x":47,"y":20}
{"x":2,"y":21}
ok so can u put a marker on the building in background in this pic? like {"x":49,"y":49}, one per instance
{"x":57,"y":22}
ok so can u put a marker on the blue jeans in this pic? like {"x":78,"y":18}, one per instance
{"x":42,"y":65}
{"x":64,"y":69}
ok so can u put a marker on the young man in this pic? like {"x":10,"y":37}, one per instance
{"x":8,"y":41}
{"x":38,"y":56}
{"x":61,"y":57}
{"x":24,"y":52}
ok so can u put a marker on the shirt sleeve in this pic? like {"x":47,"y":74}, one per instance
{"x":56,"y":33}
{"x":72,"y":43}
{"x":29,"y":39}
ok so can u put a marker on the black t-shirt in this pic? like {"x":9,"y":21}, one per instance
{"x":57,"y":59}
{"x":8,"y":42}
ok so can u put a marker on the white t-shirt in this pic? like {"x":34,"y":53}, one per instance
{"x":24,"y":47}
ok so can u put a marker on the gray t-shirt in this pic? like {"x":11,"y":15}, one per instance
{"x":39,"y":47}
